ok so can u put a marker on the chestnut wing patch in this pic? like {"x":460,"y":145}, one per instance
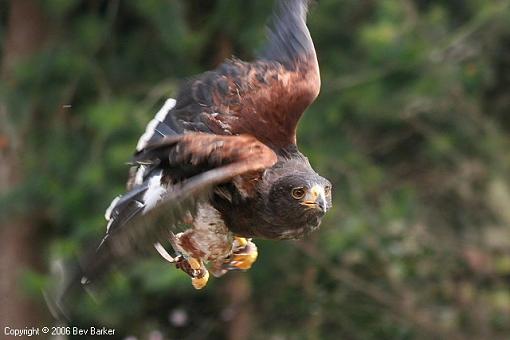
{"x":265,"y":98}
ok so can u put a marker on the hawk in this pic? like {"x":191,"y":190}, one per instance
{"x":220,"y":164}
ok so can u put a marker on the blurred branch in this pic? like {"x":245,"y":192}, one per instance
{"x":399,"y":306}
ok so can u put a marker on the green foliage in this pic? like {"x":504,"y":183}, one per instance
{"x":411,"y":127}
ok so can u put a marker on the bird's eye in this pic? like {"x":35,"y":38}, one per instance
{"x":298,"y":193}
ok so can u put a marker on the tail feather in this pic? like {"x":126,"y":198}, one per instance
{"x":75,"y":277}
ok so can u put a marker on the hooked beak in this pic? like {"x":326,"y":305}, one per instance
{"x":316,"y":198}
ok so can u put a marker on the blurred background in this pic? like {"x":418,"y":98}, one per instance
{"x":412,"y":127}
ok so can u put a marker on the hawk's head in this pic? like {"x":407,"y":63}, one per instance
{"x":295,"y":200}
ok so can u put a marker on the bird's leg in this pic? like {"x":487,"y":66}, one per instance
{"x":244,"y":254}
{"x":194,"y":267}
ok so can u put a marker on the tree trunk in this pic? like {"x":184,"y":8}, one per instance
{"x":238,"y":309}
{"x":19,"y":246}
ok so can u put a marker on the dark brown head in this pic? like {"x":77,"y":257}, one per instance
{"x":294,"y":200}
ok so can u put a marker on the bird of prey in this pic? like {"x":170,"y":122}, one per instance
{"x":220,"y":163}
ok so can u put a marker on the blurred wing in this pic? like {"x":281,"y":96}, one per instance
{"x":265,"y":98}
{"x":186,"y":170}
{"x":188,"y":167}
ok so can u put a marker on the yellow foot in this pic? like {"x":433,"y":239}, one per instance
{"x":200,"y":282}
{"x":196,"y":270}
{"x":244,"y":254}
{"x":202,"y":274}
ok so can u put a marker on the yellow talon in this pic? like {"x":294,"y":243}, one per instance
{"x":244,"y":261}
{"x":200,"y":282}
{"x":244,"y":254}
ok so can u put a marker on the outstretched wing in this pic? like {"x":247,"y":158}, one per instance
{"x":188,"y":168}
{"x":264,"y":98}
{"x":258,"y":104}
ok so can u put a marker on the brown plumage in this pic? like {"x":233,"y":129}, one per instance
{"x":220,"y":163}
{"x":252,"y":102}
